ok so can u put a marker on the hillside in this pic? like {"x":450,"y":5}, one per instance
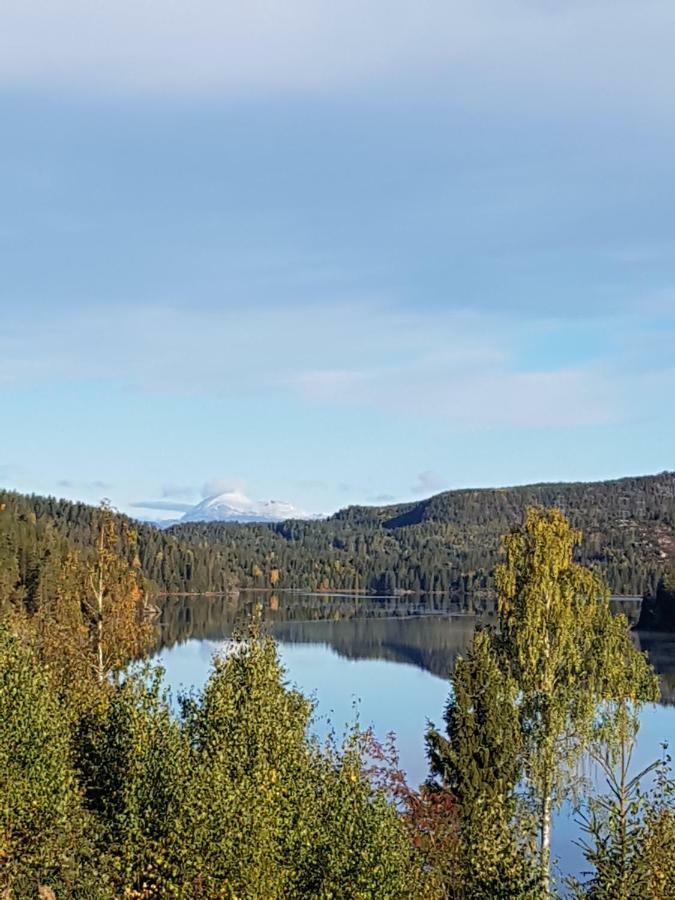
{"x":449,"y":542}
{"x":646,"y":498}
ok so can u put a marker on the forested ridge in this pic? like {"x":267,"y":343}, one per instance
{"x":448,"y":543}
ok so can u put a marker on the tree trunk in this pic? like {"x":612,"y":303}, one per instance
{"x":545,"y":844}
{"x":99,"y":610}
{"x":99,"y":648}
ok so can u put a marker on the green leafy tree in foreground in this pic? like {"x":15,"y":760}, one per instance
{"x":479,"y":762}
{"x":44,"y":834}
{"x":229,"y":800}
{"x":134,"y":762}
{"x":232,"y":799}
{"x":567,"y":656}
{"x":267,"y":812}
{"x":616,"y":824}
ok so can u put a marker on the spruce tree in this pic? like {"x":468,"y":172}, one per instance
{"x":479,"y":761}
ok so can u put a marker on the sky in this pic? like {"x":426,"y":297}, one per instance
{"x":334,"y":253}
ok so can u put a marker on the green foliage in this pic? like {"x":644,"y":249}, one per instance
{"x":559,"y":678}
{"x":479,"y":762}
{"x":657,"y":859}
{"x":573,"y":663}
{"x":479,"y":759}
{"x":43,"y":830}
{"x":113,"y":603}
{"x":247,"y":734}
{"x":231,"y":799}
{"x":133,"y":759}
{"x":267,"y":812}
{"x":363,"y":849}
{"x":430,"y":814}
{"x":83,"y":617}
{"x":629,"y":834}
{"x":106,"y":792}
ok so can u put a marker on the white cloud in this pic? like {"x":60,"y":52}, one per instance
{"x":305,"y":47}
{"x":215,"y":486}
{"x":162,"y":505}
{"x":453,"y":366}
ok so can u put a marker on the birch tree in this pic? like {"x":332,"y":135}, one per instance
{"x":568,"y":657}
{"x":114,"y":605}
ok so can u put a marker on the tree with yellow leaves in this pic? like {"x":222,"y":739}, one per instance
{"x":114,"y":604}
{"x":568,"y":657}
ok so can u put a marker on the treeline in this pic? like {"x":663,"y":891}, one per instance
{"x":448,"y":544}
{"x":108,"y":791}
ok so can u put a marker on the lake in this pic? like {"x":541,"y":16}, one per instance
{"x":383,"y":659}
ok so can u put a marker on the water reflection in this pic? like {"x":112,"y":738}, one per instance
{"x":428,"y":632}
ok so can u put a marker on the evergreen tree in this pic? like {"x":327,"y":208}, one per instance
{"x":628,"y":834}
{"x":479,"y":761}
{"x":658,"y":612}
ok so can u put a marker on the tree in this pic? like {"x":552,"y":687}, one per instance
{"x":114,"y":603}
{"x":42,"y":825}
{"x":629,"y":834}
{"x":431,"y":815}
{"x":133,"y":760}
{"x":479,"y":763}
{"x":266,"y":811}
{"x":566,"y":655}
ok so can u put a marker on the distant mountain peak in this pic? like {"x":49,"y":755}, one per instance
{"x":235,"y":506}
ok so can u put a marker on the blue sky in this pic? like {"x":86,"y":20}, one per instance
{"x":334,"y":253}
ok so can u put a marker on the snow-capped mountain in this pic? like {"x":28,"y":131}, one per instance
{"x":235,"y":506}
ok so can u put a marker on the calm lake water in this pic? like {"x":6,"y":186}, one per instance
{"x":385,"y":660}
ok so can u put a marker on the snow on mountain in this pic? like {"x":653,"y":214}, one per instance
{"x":235,"y":506}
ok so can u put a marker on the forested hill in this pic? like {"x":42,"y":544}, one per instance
{"x":647,"y":498}
{"x":449,"y":542}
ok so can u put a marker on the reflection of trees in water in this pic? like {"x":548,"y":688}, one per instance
{"x":430,"y":642}
{"x":429,"y":632}
{"x":661,"y":649}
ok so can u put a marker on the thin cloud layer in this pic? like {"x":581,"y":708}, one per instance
{"x":88,"y":486}
{"x":428,"y":482}
{"x":263,"y":47}
{"x":179,"y":492}
{"x":457,"y":367}
{"x":215,"y":486}
{"x":162,"y":505}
